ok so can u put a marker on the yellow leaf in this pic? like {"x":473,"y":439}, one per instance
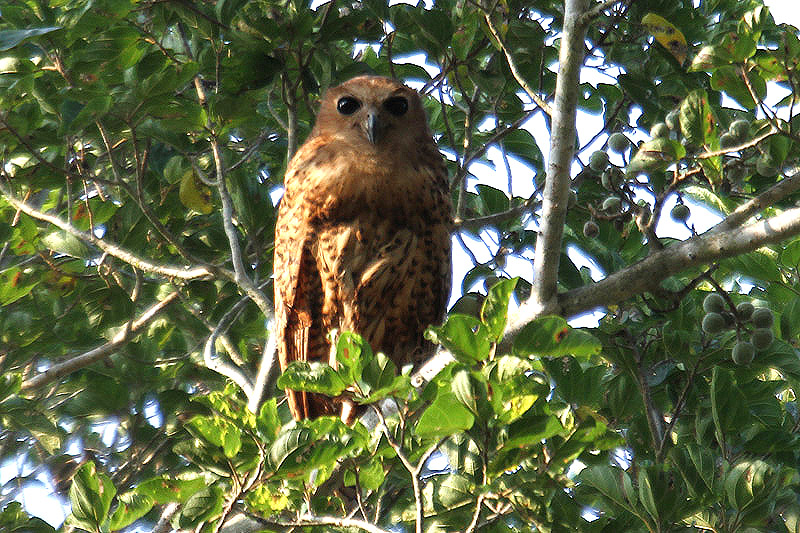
{"x":194,"y":194}
{"x":667,"y":35}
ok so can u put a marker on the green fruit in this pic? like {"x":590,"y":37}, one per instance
{"x":672,"y":120}
{"x":612,"y":178}
{"x":618,"y":142}
{"x":713,"y":323}
{"x":739,"y":129}
{"x":766,"y":167}
{"x":591,"y":229}
{"x":763,"y":317}
{"x":713,"y":303}
{"x":726,"y":140}
{"x":736,"y":173}
{"x":743,"y":353}
{"x":598,"y":161}
{"x":658,"y":130}
{"x":612,"y":204}
{"x":762,"y":338}
{"x":745,"y":310}
{"x":680,"y":213}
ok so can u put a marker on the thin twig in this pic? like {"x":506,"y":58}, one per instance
{"x":538,"y":100}
{"x":83,"y":360}
{"x":170,"y":271}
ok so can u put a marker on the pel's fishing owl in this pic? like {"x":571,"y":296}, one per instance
{"x":362,"y":239}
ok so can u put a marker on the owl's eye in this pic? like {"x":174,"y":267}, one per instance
{"x":347,"y":105}
{"x":397,"y":105}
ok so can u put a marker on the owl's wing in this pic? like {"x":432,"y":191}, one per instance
{"x":298,"y":289}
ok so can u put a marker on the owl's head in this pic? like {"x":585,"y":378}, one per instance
{"x":373,"y":111}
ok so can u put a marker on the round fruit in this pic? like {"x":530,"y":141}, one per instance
{"x":743,"y":353}
{"x":659,"y":129}
{"x":745,"y":310}
{"x":572,"y":199}
{"x":612,"y":204}
{"x":591,"y":229}
{"x":713,"y":323}
{"x":612,"y":178}
{"x":726,"y":140}
{"x":598,"y":161}
{"x":766,"y":167}
{"x":736,"y":173}
{"x":762,"y":338}
{"x":713,"y":303}
{"x":739,"y":129}
{"x":763,"y":318}
{"x":680,"y":213}
{"x":618,"y":142}
{"x":672,"y":120}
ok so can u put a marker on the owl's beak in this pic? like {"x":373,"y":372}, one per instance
{"x":372,"y":126}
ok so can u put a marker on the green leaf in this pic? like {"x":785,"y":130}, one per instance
{"x":646,"y":494}
{"x":464,"y":336}
{"x":790,"y":319}
{"x":449,"y":492}
{"x":532,"y":429}
{"x":65,"y":243}
{"x":656,"y":155}
{"x":709,"y":57}
{"x":445,"y":416}
{"x":370,"y":475}
{"x":550,"y":336}
{"x":697,"y":121}
{"x":268,"y":423}
{"x":352,"y":352}
{"x":90,"y":495}
{"x":163,"y":489}
{"x":728,"y":404}
{"x":495,"y":307}
{"x":730,"y":79}
{"x":11,"y":38}
{"x":606,"y":480}
{"x":131,"y":507}
{"x":312,"y":377}
{"x":287,"y":448}
{"x":204,"y":505}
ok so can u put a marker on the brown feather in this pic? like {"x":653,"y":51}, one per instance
{"x":362,"y":239}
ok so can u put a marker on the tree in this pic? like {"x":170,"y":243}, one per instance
{"x":143,"y":144}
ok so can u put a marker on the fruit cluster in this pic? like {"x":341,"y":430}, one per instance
{"x":745,"y":316}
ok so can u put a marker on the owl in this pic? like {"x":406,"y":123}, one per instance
{"x":362,"y":240}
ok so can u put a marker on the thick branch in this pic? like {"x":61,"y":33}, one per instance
{"x":774,"y":194}
{"x":647,"y":274}
{"x":562,"y":148}
{"x":112,"y":249}
{"x":85,"y":359}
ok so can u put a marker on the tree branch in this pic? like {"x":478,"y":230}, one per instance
{"x":241,"y":277}
{"x":774,"y":194}
{"x":112,"y":249}
{"x":85,"y":359}
{"x":647,"y":274}
{"x":538,"y":100}
{"x":562,"y":148}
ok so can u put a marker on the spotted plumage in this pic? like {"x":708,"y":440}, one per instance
{"x":362,"y":241}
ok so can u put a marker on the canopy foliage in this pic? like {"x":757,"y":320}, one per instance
{"x":143,"y":145}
